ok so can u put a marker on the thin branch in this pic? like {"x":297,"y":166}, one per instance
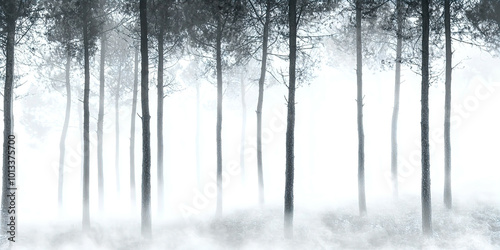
{"x":259,"y":18}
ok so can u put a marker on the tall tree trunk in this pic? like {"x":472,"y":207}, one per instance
{"x":7,"y":110}
{"x":426,"y":181}
{"x":198,"y":160}
{"x":243,"y":126}
{"x":262,"y":79}
{"x":146,"y":133}
{"x":219,"y":114}
{"x":447,"y":109}
{"x":117,"y":129}
{"x":290,"y":126}
{"x":395,"y":111}
{"x":86,"y":116}
{"x":132,"y":128}
{"x":100,"y":124}
{"x":160,"y":119}
{"x":62,"y":142}
{"x":361,"y":135}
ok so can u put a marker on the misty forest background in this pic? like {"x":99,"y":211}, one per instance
{"x":252,"y":123}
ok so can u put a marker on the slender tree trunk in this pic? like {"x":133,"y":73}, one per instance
{"x":395,"y":111}
{"x":219,"y":114}
{"x":198,"y":160}
{"x":146,"y":133}
{"x":62,"y":142}
{"x":361,"y":135}
{"x":80,"y":129}
{"x":426,"y":181}
{"x":132,"y":128}
{"x":447,"y":109}
{"x":100,"y":124}
{"x":243,"y":127}
{"x":289,"y":171}
{"x":7,"y":111}
{"x":117,"y":129}
{"x":160,"y":119}
{"x":86,"y":116}
{"x":262,"y":79}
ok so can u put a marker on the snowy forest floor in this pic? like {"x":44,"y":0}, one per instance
{"x":468,"y":226}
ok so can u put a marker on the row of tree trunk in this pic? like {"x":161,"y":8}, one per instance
{"x":146,"y":160}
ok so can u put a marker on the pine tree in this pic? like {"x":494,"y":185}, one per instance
{"x":146,"y":134}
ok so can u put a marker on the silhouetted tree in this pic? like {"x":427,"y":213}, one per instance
{"x":146,"y":134}
{"x":11,"y":11}
{"x":426,"y":182}
{"x":290,"y":127}
{"x":61,"y":28}
{"x":264,"y":19}
{"x":132,"y":127}
{"x":100,"y":117}
{"x":217,"y":29}
{"x":82,"y":15}
{"x":447,"y":107}
{"x":165,"y":23}
{"x":397,"y":85}
{"x":118,"y":63}
{"x":298,"y":12}
{"x":359,"y":100}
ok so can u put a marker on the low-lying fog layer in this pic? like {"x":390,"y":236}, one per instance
{"x":470,"y":225}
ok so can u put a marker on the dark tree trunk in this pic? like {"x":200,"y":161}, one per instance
{"x":146,"y":133}
{"x":290,"y":125}
{"x":262,"y":79}
{"x":117,"y":129}
{"x":132,"y":129}
{"x":219,"y":114}
{"x":62,"y":142}
{"x":361,"y":135}
{"x":243,"y":126}
{"x":395,"y":111}
{"x":426,"y":181}
{"x":86,"y":116}
{"x":447,"y":109}
{"x":100,"y":124}
{"x":160,"y":119}
{"x":7,"y":110}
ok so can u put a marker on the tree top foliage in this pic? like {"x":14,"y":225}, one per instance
{"x":24,"y":12}
{"x":65,"y":20}
{"x":484,"y":16}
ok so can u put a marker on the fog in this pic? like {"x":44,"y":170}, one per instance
{"x":326,"y":213}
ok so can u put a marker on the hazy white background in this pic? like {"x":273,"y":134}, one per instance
{"x":325,"y":164}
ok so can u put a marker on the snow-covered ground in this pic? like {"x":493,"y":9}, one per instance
{"x":474,"y":225}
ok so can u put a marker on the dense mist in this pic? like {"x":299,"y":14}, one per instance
{"x":317,"y":172}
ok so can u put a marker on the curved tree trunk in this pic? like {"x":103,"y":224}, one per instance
{"x":62,"y":142}
{"x":447,"y":109}
{"x":146,"y":133}
{"x":395,"y":111}
{"x":132,"y":129}
{"x":361,"y":135}
{"x":289,"y":171}
{"x":426,"y":181}
{"x":262,"y":79}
